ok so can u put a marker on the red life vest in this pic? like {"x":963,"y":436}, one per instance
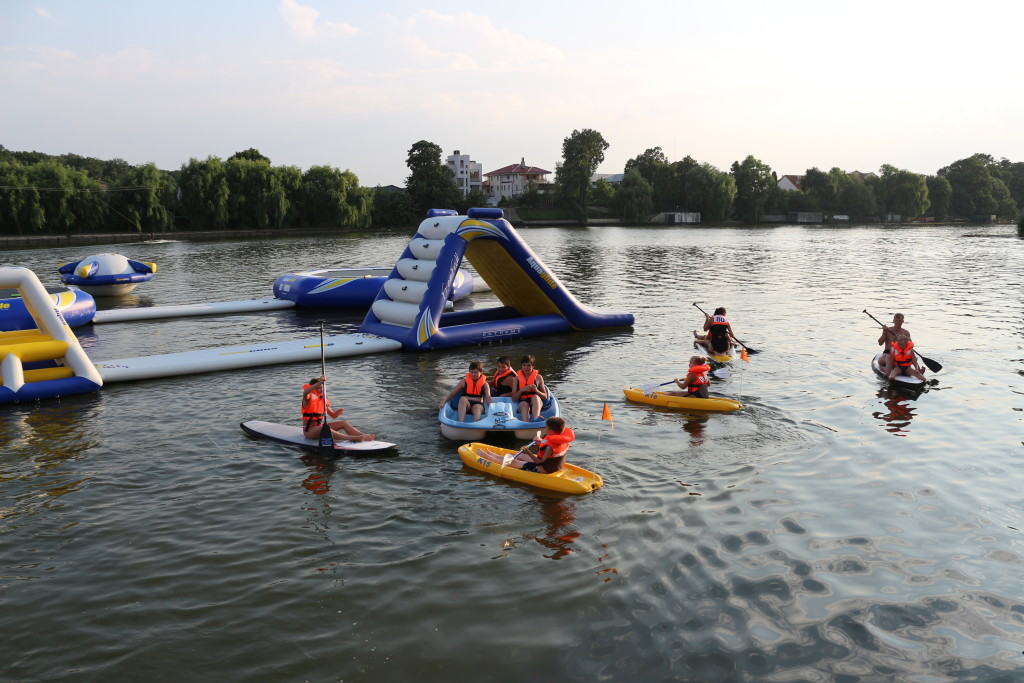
{"x":558,"y":443}
{"x":312,"y":405}
{"x":700,"y":373}
{"x":497,"y":384}
{"x":475,"y":389}
{"x":903,"y":356}
{"x":524,"y":380}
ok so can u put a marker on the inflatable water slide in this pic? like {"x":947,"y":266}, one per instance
{"x":410,"y":306}
{"x":44,"y":360}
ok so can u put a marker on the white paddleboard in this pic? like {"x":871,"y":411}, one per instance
{"x":899,"y":380}
{"x":291,"y":435}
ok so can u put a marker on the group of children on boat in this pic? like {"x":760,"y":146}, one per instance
{"x":525,"y":386}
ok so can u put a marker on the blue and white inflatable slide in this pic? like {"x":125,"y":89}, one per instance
{"x":410,"y":305}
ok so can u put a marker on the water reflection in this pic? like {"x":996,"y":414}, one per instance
{"x":900,"y":411}
{"x":318,"y":481}
{"x":559,"y":533}
{"x":694,"y":426}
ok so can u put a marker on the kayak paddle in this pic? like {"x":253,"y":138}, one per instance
{"x":933,"y":365}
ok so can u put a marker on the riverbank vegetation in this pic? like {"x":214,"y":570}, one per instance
{"x":70,"y":194}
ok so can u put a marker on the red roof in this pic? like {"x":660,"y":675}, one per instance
{"x":519,"y":169}
{"x":795,"y":179}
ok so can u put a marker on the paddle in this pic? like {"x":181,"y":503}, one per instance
{"x":746,"y":348}
{"x":934,"y":366}
{"x":326,"y":444}
{"x":720,"y":373}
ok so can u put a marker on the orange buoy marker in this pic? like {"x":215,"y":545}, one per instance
{"x":743,"y":354}
{"x":606,"y":414}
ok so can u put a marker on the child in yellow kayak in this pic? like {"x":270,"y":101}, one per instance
{"x":552,"y":445}
{"x":695,"y":383}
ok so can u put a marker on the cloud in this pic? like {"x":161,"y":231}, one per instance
{"x":304,"y":21}
{"x":44,"y":13}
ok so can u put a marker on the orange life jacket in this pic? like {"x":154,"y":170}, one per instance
{"x":903,"y":356}
{"x":700,"y":373}
{"x":497,"y":384}
{"x":558,"y":443}
{"x":475,"y":389}
{"x":524,"y":380}
{"x":313,"y":408}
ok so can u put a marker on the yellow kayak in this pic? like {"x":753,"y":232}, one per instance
{"x":569,"y":479}
{"x":660,"y":398}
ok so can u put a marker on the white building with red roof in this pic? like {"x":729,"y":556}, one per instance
{"x":790,"y":183}
{"x":514,"y":180}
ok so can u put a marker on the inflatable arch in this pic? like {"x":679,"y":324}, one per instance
{"x":410,"y":305}
{"x":45,"y":361}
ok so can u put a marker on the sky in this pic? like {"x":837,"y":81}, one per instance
{"x":355,"y":84}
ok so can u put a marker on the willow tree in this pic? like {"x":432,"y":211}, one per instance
{"x":204,"y":192}
{"x":582,"y":153}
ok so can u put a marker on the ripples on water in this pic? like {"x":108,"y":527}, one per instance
{"x":833,"y":530}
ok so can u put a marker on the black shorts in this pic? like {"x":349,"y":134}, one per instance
{"x":549,"y":466}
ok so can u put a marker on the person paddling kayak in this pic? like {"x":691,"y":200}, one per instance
{"x":552,"y":444}
{"x":718,"y":337}
{"x":314,"y":407}
{"x":695,"y":383}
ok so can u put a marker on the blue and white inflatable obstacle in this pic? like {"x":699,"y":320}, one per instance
{"x":357,"y":288}
{"x":77,"y":307}
{"x":45,"y":361}
{"x":107,"y":274}
{"x":410,"y":306}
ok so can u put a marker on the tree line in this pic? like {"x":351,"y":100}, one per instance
{"x":69,"y":194}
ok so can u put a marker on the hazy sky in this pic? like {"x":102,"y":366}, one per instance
{"x":354,"y":84}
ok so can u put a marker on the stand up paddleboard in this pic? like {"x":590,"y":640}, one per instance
{"x":902,"y":381}
{"x":292,"y":436}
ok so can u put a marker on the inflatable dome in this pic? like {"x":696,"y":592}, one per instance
{"x":107,"y":274}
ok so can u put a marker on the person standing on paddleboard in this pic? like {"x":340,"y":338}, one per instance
{"x":889,"y":335}
{"x":314,"y":408}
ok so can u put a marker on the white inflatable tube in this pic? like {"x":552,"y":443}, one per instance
{"x":415,"y":269}
{"x":13,"y":372}
{"x":439,"y":227}
{"x":426,"y":250}
{"x":396,"y":312}
{"x":41,"y":307}
{"x":245,"y":356}
{"x":408,"y":291}
{"x":120,"y":315}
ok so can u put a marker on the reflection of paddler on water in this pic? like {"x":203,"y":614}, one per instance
{"x":473,"y":391}
{"x":532,"y":393}
{"x":901,"y":412}
{"x":552,"y":444}
{"x":314,"y":409}
{"x":718,"y":336}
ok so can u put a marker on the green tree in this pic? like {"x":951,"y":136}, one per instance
{"x":256,"y":196}
{"x":142,"y":207}
{"x":939,"y":193}
{"x":709,"y":191}
{"x":431,"y":184}
{"x":21,"y":209}
{"x":754,"y":184}
{"x":634,"y":198}
{"x":251,"y":154}
{"x":333,"y":198}
{"x":820,"y":188}
{"x":290,"y":180}
{"x":393,"y":208}
{"x":582,"y":153}
{"x":902,"y":192}
{"x":858,"y":200}
{"x":474,"y":198}
{"x":602,"y":194}
{"x":654,"y":166}
{"x":976,"y":191}
{"x":204,"y":193}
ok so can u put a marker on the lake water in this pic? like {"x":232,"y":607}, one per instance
{"x":831,"y":531}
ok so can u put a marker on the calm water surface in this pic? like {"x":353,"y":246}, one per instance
{"x":831,"y":531}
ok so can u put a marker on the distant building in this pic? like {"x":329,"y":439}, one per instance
{"x":682,"y":217}
{"x":857,"y":175}
{"x":805,"y":217}
{"x":468,"y":173}
{"x":790,"y":183}
{"x":512,"y":181}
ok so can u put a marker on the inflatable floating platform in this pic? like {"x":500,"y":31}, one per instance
{"x":352,"y":287}
{"x":45,"y":360}
{"x":569,"y":479}
{"x":106,"y":274}
{"x":75,"y":306}
{"x":502,"y":415}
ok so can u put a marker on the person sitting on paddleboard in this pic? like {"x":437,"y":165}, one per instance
{"x":904,"y":360}
{"x":503,"y":382}
{"x":531,"y":392}
{"x":476,"y":393}
{"x":718,"y":338}
{"x":695,"y":383}
{"x":552,"y":443}
{"x":313,"y":410}
{"x":888,"y":335}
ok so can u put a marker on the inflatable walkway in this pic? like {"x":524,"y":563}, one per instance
{"x":410,"y":305}
{"x":46,"y":360}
